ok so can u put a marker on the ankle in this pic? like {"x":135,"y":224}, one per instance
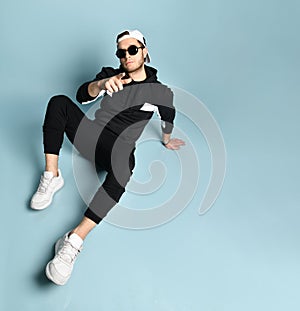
{"x":53,"y":170}
{"x":84,"y":228}
{"x":77,"y":232}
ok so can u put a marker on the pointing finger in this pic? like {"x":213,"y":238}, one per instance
{"x":126,"y":81}
{"x":120,"y":75}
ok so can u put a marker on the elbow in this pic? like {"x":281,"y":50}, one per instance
{"x":79,"y":98}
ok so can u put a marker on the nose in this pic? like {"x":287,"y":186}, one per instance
{"x":127,"y":55}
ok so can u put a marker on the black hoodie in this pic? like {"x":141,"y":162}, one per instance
{"x":132,"y":108}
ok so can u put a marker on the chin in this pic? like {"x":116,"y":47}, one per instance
{"x":126,"y":68}
{"x":129,"y":70}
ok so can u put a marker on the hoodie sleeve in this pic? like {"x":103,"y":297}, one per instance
{"x":83,"y":95}
{"x":167,"y":111}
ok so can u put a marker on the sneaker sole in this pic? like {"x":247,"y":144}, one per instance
{"x":38,"y":208}
{"x":49,"y":276}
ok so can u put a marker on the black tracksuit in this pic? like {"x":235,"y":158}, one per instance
{"x":109,"y":140}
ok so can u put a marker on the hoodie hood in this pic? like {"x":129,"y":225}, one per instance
{"x":151,"y":74}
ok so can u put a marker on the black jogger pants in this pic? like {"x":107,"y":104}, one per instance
{"x":96,"y":144}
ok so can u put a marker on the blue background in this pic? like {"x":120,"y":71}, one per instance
{"x":241,"y":58}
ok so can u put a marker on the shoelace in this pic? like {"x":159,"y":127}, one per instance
{"x":68,"y":252}
{"x":44,"y":183}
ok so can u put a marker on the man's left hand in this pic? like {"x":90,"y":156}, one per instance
{"x":174,"y":144}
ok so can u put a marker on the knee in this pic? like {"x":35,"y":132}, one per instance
{"x":58,"y":101}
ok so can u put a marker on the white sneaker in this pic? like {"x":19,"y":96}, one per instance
{"x":59,"y":269}
{"x":46,"y":189}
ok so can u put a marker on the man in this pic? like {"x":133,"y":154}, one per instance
{"x":131,"y":94}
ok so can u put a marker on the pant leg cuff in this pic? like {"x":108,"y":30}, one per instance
{"x":91,"y":215}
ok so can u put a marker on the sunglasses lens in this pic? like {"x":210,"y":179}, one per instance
{"x":121,"y":53}
{"x":132,"y":50}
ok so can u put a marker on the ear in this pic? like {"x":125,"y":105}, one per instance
{"x":145,"y":52}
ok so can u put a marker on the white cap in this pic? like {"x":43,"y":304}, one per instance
{"x":136,"y":35}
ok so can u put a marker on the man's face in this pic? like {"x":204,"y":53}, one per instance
{"x":132,"y":63}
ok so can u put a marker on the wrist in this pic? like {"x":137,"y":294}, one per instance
{"x":101,"y":84}
{"x":165,"y":142}
{"x":94,"y":89}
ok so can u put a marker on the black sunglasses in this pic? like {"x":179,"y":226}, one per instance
{"x":132,"y":50}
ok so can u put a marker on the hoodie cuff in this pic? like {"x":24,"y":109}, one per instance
{"x":166,"y":127}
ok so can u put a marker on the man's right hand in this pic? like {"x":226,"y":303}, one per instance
{"x":115,"y":83}
{"x":112,"y":84}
